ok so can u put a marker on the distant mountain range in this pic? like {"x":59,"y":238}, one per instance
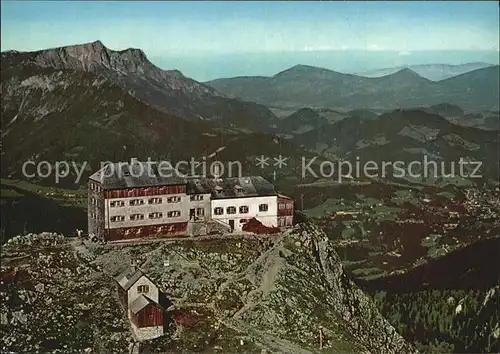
{"x":434,"y":72}
{"x":87,"y":102}
{"x":307,"y":86}
{"x":488,"y":120}
{"x":404,"y":135}
{"x":306,"y":119}
{"x":166,"y":90}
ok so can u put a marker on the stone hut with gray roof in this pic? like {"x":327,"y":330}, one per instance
{"x":140,"y":299}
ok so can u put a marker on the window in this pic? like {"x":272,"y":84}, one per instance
{"x":173,"y":214}
{"x":263,"y":207}
{"x":231,"y":210}
{"x":116,"y":203}
{"x":243,"y":209}
{"x":143,"y":289}
{"x":196,"y":197}
{"x":288,"y":222}
{"x":200,"y":211}
{"x":166,"y":228}
{"x":137,"y":217}
{"x":117,"y":218}
{"x":289,"y":205}
{"x":135,"y":202}
{"x":218,"y":211}
{"x":155,"y":215}
{"x":173,"y":199}
{"x":154,"y":201}
{"x":281,"y":206}
{"x":242,"y":221}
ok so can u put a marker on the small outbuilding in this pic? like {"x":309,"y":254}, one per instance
{"x":140,"y":298}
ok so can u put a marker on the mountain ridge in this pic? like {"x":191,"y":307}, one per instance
{"x":111,"y":105}
{"x":434,"y":72}
{"x":86,"y":56}
{"x":405,"y":135}
{"x":305,"y":86}
{"x":166,"y":90}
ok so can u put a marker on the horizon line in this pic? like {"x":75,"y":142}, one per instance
{"x":400,"y":51}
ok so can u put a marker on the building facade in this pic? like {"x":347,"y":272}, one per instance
{"x":285,"y":211}
{"x":235,"y":212}
{"x":135,"y":212}
{"x":137,"y":199}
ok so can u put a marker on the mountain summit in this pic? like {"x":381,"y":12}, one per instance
{"x":407,"y":73}
{"x":88,"y":54}
{"x":434,"y":72}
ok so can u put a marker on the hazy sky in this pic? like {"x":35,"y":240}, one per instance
{"x":212,"y":39}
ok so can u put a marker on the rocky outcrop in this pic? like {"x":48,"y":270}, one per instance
{"x":53,"y":300}
{"x":297,"y":288}
{"x":277,"y":298}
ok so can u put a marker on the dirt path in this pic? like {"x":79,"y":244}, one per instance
{"x":267,"y":341}
{"x":277,"y":345}
{"x":235,"y":236}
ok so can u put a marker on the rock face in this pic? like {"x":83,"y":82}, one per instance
{"x":95,"y":57}
{"x":297,"y":287}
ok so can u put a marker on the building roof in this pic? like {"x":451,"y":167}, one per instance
{"x":124,"y":175}
{"x":284,"y":197}
{"x":137,"y":174}
{"x":140,"y":303}
{"x":233,"y":187}
{"x":198,"y":186}
{"x":129,"y":277}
